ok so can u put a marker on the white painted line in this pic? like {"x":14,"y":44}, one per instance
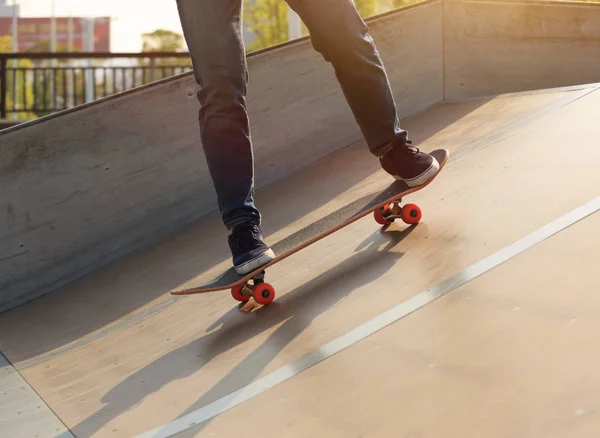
{"x":379,"y":322}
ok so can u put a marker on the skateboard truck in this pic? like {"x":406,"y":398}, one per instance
{"x":410,"y":214}
{"x":263,"y":293}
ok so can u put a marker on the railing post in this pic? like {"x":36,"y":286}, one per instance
{"x":152,"y":69}
{"x":3,"y":86}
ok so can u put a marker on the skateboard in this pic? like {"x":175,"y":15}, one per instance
{"x":384,"y":204}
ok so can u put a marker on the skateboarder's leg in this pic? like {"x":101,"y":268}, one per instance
{"x":211,"y":29}
{"x":213,"y":32}
{"x":342,"y":37}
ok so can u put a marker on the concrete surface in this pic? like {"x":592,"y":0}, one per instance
{"x":509,"y":353}
{"x":82,"y":188}
{"x":508,"y":46}
{"x":22,"y":413}
{"x":114,"y":354}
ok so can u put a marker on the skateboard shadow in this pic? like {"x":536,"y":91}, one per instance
{"x":294,"y":311}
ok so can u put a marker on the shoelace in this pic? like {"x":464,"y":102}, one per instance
{"x":410,"y":148}
{"x":406,"y":146}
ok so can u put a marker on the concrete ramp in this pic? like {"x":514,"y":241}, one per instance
{"x":82,"y":188}
{"x":480,"y":321}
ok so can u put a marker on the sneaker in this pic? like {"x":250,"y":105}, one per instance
{"x":406,"y":163}
{"x":248,"y":248}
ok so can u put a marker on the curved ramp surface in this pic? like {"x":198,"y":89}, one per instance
{"x":105,"y":179}
{"x":483,"y":336}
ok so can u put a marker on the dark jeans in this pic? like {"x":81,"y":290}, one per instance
{"x":213,"y":32}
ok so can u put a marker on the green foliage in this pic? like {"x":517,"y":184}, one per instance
{"x":400,"y":3}
{"x":162,"y":40}
{"x":48,"y":89}
{"x":367,"y":8}
{"x":6,"y":44}
{"x":44,"y":46}
{"x":14,"y":79}
{"x":267,"y":20}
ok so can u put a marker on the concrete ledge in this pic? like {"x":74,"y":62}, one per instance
{"x":4,"y":123}
{"x":510,"y":46}
{"x":82,"y":188}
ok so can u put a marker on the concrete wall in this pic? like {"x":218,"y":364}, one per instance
{"x":500,"y":47}
{"x":82,"y":188}
{"x":8,"y":123}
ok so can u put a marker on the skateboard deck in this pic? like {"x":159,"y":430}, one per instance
{"x":384,"y":204}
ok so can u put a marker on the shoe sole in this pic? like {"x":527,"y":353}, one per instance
{"x":255,"y":263}
{"x":423,"y":178}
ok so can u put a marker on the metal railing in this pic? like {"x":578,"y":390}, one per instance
{"x":37,"y":84}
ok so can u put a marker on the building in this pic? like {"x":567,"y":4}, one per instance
{"x":70,"y":33}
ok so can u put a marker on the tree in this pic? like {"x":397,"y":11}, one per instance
{"x":366,"y":8}
{"x":400,"y":3}
{"x":162,"y":40}
{"x":48,"y":77}
{"x":267,"y":20}
{"x":23,"y":91}
{"x":44,"y":46}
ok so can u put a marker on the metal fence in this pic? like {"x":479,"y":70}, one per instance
{"x":37,"y":84}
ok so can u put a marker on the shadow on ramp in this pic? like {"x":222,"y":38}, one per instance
{"x":131,"y":283}
{"x":296,"y":310}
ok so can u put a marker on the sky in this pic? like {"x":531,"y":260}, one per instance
{"x":130,"y":18}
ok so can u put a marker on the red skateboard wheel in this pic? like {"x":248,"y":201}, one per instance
{"x":411,"y":214}
{"x":236,"y":293}
{"x":263,"y":293}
